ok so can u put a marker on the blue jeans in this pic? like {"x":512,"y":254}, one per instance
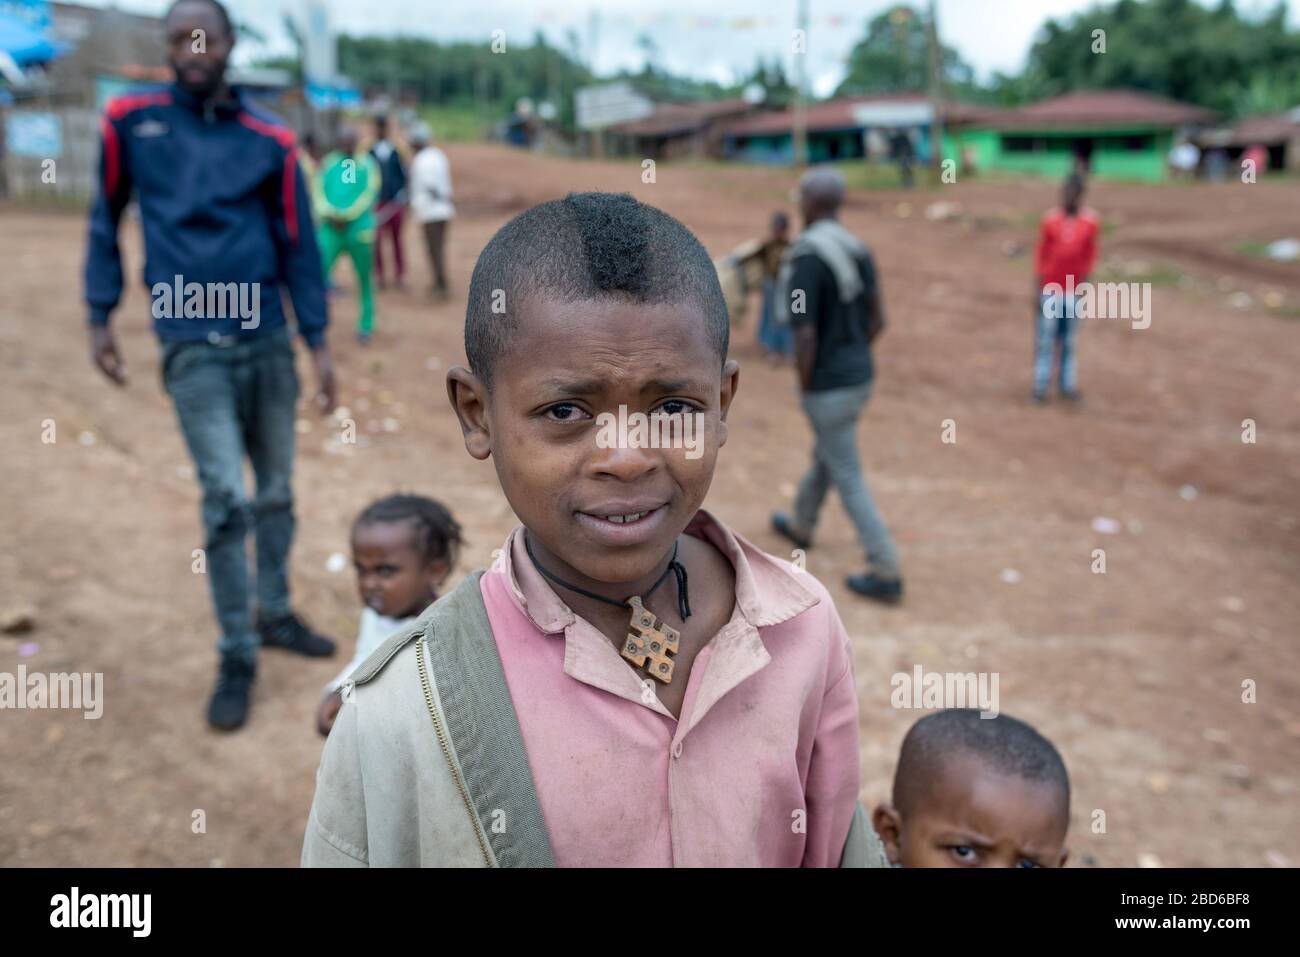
{"x":1057,"y":323}
{"x":238,"y":400}
{"x":834,"y":415}
{"x":773,"y":336}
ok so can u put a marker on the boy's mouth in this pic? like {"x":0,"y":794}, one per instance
{"x":623,"y":524}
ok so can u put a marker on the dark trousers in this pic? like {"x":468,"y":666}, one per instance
{"x":435,"y":237}
{"x":391,"y":227}
{"x":233,"y":401}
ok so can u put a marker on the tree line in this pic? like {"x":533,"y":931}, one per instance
{"x":1212,"y":56}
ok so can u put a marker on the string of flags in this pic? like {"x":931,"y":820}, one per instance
{"x":690,"y":21}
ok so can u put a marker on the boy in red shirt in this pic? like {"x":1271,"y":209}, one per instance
{"x":1066,"y":254}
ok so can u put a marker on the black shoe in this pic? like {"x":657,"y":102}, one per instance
{"x":1039,"y":398}
{"x":290,"y":634}
{"x":1072,"y":396}
{"x":871,"y":585}
{"x":228,"y":708}
{"x":782,"y":525}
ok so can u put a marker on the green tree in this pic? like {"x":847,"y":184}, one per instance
{"x":777,"y":89}
{"x":894,"y":57}
{"x":1213,"y":57}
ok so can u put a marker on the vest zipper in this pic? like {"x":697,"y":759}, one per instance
{"x":446,"y":750}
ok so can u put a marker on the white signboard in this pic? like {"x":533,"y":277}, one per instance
{"x":35,"y":134}
{"x":892,"y":115}
{"x":599,"y":106}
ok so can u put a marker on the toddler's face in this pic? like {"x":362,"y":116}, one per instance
{"x":608,"y":513}
{"x":393,"y":578}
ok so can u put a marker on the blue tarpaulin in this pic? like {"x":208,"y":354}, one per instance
{"x":25,"y":45}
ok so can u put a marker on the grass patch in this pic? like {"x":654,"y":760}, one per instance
{"x":859,"y":174}
{"x":53,"y":202}
{"x":1131,"y":270}
{"x":1252,"y":247}
{"x":456,"y":124}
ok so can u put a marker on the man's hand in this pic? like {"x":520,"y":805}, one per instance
{"x":103,"y":352}
{"x":876,"y":322}
{"x":326,"y":393}
{"x":805,"y":353}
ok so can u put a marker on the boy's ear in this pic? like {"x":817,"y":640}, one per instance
{"x":730,"y":383}
{"x":1065,"y":856}
{"x":889,"y":828}
{"x":469,"y":398}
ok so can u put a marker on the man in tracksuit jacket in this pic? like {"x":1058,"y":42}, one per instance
{"x":227,"y":224}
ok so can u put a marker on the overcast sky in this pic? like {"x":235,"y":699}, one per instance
{"x":989,"y":34}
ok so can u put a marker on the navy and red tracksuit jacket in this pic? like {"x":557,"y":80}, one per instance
{"x":222,"y":199}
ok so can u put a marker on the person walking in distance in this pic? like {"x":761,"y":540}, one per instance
{"x":1063,"y":260}
{"x":223,"y":208}
{"x":829,"y":292}
{"x":430,"y":187}
{"x":392,"y":201}
{"x":348,"y":182}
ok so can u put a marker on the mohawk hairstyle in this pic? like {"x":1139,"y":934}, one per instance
{"x":587,"y":246}
{"x":1004,"y":743}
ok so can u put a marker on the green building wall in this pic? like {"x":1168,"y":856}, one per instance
{"x":1111,"y":159}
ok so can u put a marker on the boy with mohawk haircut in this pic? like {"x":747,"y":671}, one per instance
{"x":632,"y":683}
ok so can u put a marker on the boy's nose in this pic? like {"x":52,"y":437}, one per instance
{"x":624,"y":464}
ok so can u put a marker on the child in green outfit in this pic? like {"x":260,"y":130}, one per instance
{"x":346,"y":190}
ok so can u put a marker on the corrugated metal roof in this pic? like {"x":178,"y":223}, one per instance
{"x":839,"y":115}
{"x":670,"y":119}
{"x":1099,"y":109}
{"x":1264,"y":129}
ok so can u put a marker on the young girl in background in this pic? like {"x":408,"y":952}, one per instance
{"x":403,"y":548}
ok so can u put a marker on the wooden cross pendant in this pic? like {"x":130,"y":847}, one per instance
{"x":647,"y":640}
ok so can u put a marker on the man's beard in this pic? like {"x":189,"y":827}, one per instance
{"x":202,"y":88}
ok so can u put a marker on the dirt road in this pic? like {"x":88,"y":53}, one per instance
{"x":1137,"y":674}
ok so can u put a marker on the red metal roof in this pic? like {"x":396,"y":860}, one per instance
{"x":1101,"y":109}
{"x":1263,"y":129}
{"x":670,"y":119}
{"x":838,"y":115}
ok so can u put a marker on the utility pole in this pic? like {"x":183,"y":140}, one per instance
{"x":597,"y":135}
{"x":800,"y":69}
{"x":936,"y":91}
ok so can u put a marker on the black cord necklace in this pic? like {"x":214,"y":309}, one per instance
{"x":646,"y":639}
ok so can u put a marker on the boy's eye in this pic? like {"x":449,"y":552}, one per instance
{"x":1026,"y":862}
{"x":564,"y":412}
{"x":676,"y":407}
{"x":964,"y":853}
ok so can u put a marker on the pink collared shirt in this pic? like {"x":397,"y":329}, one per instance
{"x":761,"y":769}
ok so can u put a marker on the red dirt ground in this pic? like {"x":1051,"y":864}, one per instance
{"x":1136,"y":674}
